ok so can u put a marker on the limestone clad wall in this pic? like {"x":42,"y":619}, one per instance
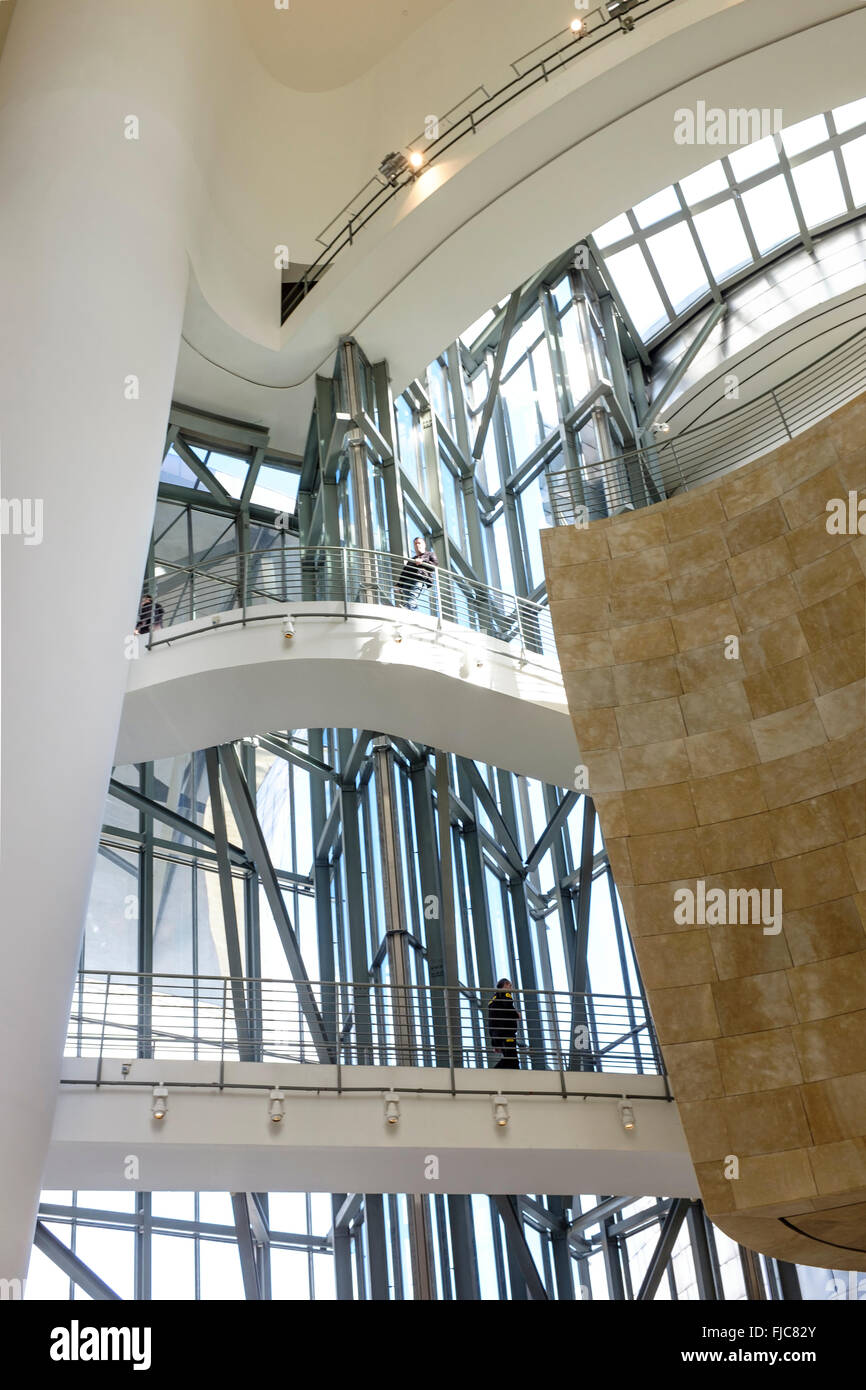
{"x":712,"y":648}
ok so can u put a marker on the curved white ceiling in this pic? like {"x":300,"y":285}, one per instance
{"x":461,"y":692}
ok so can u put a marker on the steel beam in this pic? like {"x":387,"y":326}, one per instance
{"x":246,"y":1052}
{"x":653,"y":411}
{"x":664,"y":1249}
{"x":485,"y":796}
{"x":517,"y":1246}
{"x":496,"y":374}
{"x":703,"y":1263}
{"x":80,"y":1273}
{"x":246,"y":1246}
{"x":148,"y":806}
{"x":554,"y":825}
{"x":195,"y":465}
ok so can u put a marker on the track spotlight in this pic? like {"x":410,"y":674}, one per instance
{"x":276,"y":1108}
{"x":392,"y":166}
{"x":661,"y":427}
{"x":500,"y":1110}
{"x":577,"y":26}
{"x":215,"y":620}
{"x":392,"y":1108}
{"x":416,"y":159}
{"x":619,"y":9}
{"x":626,"y":1114}
{"x":160,"y":1102}
{"x":288,"y":627}
{"x":398,"y":633}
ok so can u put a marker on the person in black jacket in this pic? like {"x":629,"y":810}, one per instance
{"x":416,"y":574}
{"x":150,"y":615}
{"x":504,"y":1023}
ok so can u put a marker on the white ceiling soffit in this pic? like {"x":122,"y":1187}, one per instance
{"x":557,"y":163}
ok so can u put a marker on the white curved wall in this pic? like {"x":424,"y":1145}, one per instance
{"x":224,"y":683}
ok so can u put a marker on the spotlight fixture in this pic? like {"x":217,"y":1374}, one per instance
{"x":216,"y":620}
{"x":500,"y":1110}
{"x":577,"y":26}
{"x":393,"y":166}
{"x":626,"y":1114}
{"x":398,"y":633}
{"x":392,"y":1108}
{"x":276,"y":1108}
{"x":160,"y":1102}
{"x":661,"y":427}
{"x":288,"y":627}
{"x":416,"y":159}
{"x":619,"y":9}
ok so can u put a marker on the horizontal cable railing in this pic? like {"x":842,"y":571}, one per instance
{"x":342,"y":575}
{"x":640,"y":477}
{"x":126,"y":1015}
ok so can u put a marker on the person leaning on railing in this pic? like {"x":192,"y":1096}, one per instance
{"x":504,"y":1021}
{"x":150,"y":615}
{"x":418,"y":573}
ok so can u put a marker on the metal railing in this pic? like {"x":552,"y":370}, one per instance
{"x":640,"y":477}
{"x":241,"y":581}
{"x":556,"y":53}
{"x":127,"y":1015}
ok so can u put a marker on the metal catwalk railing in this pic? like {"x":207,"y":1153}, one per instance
{"x":640,"y":477}
{"x":241,"y":581}
{"x":126,"y":1015}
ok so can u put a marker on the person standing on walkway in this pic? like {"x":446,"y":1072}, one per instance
{"x":504,"y":1020}
{"x":418,"y":573}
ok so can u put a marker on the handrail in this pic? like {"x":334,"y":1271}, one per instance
{"x":592,"y":34}
{"x":241,"y":581}
{"x":363,"y":1023}
{"x":639,"y":477}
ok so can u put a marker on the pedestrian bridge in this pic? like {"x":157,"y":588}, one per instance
{"x":472,"y":670}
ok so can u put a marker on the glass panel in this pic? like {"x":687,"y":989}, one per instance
{"x":613,"y":231}
{"x":290,"y":1278}
{"x":475,"y":329}
{"x":703,"y":184}
{"x":771,"y":214}
{"x":640,"y":296}
{"x":231,"y":472}
{"x":723,"y":239}
{"x":804,"y":135}
{"x":522,"y":412}
{"x":533,"y":508}
{"x":819,"y":189}
{"x":111,"y":1255}
{"x":408,"y":442}
{"x":277,"y":488}
{"x":172,"y":1267}
{"x":851,"y":115}
{"x":679,"y":265}
{"x":854,"y":155}
{"x":660,"y":205}
{"x":753,"y":159}
{"x":220,"y":1270}
{"x":575,"y":357}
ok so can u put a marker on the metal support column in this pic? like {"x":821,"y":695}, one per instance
{"x":396,"y":933}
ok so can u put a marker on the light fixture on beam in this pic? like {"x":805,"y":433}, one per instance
{"x":500,"y":1111}
{"x":276,"y":1106}
{"x":416,"y":160}
{"x":393,"y":166}
{"x":288,"y":627}
{"x":626,"y":1115}
{"x":392,"y":1108}
{"x":577,"y":27}
{"x":619,"y":9}
{"x":159,"y":1108}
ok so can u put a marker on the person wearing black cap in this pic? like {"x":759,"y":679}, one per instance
{"x":504,"y":1022}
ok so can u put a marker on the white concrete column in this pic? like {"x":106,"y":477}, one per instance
{"x":93,"y":273}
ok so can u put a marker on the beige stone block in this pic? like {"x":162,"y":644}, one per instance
{"x":772,"y":1179}
{"x":796,"y":777}
{"x":604,"y":772}
{"x":702,"y":551}
{"x":700,"y":588}
{"x":788,"y":731}
{"x":691,"y":512}
{"x":755,"y":528}
{"x":590,"y":689}
{"x":662,"y":857}
{"x":735,"y":844}
{"x":679,"y":958}
{"x":728,"y":796}
{"x":713,"y":623}
{"x":781,"y":688}
{"x":725,"y":751}
{"x":583,"y":651}
{"x":856,"y":852}
{"x":655,"y":764}
{"x":843,"y":712}
{"x":647,"y":680}
{"x":810,"y":541}
{"x":773,"y":645}
{"x":657,"y":721}
{"x":693,"y":1071}
{"x":611,"y":813}
{"x":829,"y":575}
{"x":707,"y":666}
{"x":748,"y":488}
{"x":767,"y":603}
{"x":643,"y":567}
{"x":839,"y":1167}
{"x":580,"y":615}
{"x":805,"y":456}
{"x":766,"y":1124}
{"x":834,"y":618}
{"x":760,"y":565}
{"x":639,"y":602}
{"x":851,"y":805}
{"x":804,"y":826}
{"x":716,"y":1189}
{"x":751,"y":1003}
{"x":720,"y":707}
{"x":836,"y":1108}
{"x":829,"y":987}
{"x":831,"y":1046}
{"x":743,"y":949}
{"x":848,"y":758}
{"x":620,"y":860}
{"x":659,"y":809}
{"x":579,"y":581}
{"x":758,"y":1061}
{"x":824,"y":930}
{"x":570,"y":545}
{"x":685,"y":1013}
{"x":822,"y":876}
{"x":595,"y":729}
{"x":638,"y":531}
{"x":809,"y":499}
{"x":841,"y":663}
{"x":706,"y":1130}
{"x":643,"y":641}
{"x":653,"y":906}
